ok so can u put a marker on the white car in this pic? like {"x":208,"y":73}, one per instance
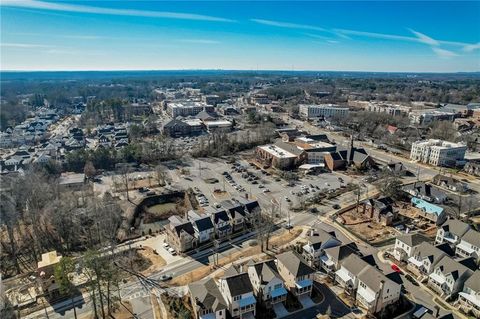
{"x":172,"y":251}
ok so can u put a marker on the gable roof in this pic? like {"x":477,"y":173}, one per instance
{"x":207,"y":296}
{"x":373,"y":278}
{"x":472,"y":237}
{"x":474,"y":282}
{"x":449,"y":266}
{"x":355,"y":264}
{"x":412,"y":240}
{"x":339,"y":253}
{"x":239,"y":284}
{"x":266,"y":270}
{"x":427,"y":250}
{"x":455,"y":227}
{"x":295,"y":264}
{"x":203,"y":224}
{"x":186,"y":227}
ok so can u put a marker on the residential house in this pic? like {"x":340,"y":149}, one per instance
{"x":238,"y":292}
{"x":267,"y":283}
{"x":405,"y":245}
{"x":375,"y":290}
{"x":426,"y":256}
{"x":204,"y":230}
{"x":426,"y":192}
{"x":469,"y":298}
{"x":449,"y":183}
{"x":429,"y":211}
{"x":381,"y":210}
{"x":180,"y":234}
{"x":207,"y":300}
{"x":448,"y":277}
{"x":296,"y":273}
{"x":451,"y":231}
{"x":221,"y":223}
{"x":347,"y":275}
{"x":46,"y":273}
{"x":317,"y":241}
{"x":334,"y":256}
{"x":469,"y":245}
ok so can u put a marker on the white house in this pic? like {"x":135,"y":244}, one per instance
{"x":376,"y":291}
{"x":469,"y":245}
{"x":405,"y":244}
{"x":451,"y":232}
{"x":267,"y":283}
{"x":448,"y":276}
{"x":238,"y":293}
{"x":204,"y":230}
{"x":334,"y":256}
{"x":469,"y":298}
{"x":425,"y":258}
{"x":317,"y":242}
{"x":296,"y":273}
{"x":350,"y":269}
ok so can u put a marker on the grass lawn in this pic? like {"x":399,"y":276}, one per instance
{"x":161,"y":209}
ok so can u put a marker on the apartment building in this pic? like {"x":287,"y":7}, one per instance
{"x":423,"y":117}
{"x":391,"y":109}
{"x":438,"y":152}
{"x":187,"y":108}
{"x":312,"y":111}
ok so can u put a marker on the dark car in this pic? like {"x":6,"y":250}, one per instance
{"x":151,"y":193}
{"x":336,"y":206}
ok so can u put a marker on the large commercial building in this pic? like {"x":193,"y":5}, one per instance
{"x":392,"y":109}
{"x":311,"y":111}
{"x":187,"y":108}
{"x":438,"y":152}
{"x":281,"y":155}
{"x":427,"y":117}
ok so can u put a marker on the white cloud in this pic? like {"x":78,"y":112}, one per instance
{"x":199,"y":41}
{"x":471,"y":47}
{"x":424,"y":38}
{"x":444,"y":53}
{"x":288,"y":25}
{"x":41,"y":5}
{"x":24,"y":45}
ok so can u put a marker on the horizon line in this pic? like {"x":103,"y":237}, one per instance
{"x":228,"y":70}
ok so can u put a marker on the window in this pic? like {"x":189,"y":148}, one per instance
{"x":236,"y":298}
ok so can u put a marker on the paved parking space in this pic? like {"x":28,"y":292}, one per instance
{"x":306,"y":301}
{"x":280,"y":310}
{"x":156,"y":243}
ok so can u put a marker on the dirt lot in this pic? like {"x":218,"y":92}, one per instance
{"x":368,"y":229}
{"x":157,"y":262}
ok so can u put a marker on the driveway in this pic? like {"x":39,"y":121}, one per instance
{"x":156,"y":243}
{"x":280,"y":310}
{"x":306,"y":301}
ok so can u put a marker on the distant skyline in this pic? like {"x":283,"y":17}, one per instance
{"x":388,"y":36}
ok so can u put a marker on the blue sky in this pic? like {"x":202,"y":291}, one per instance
{"x":429,"y":36}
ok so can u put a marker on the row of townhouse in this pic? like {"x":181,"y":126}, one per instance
{"x":239,"y":291}
{"x":449,"y":266}
{"x":357,"y":275}
{"x":234,"y":216}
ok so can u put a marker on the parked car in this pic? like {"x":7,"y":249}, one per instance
{"x":336,"y":206}
{"x":396,"y":269}
{"x":165,"y":277}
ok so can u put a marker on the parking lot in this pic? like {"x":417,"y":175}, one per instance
{"x":215,"y":180}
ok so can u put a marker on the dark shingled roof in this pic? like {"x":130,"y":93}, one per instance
{"x":203,"y":223}
{"x":295,"y":264}
{"x":239,"y":284}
